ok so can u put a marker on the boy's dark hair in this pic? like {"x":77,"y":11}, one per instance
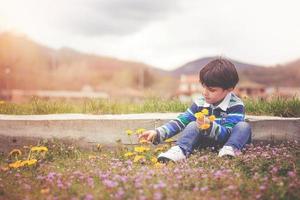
{"x":219,"y":73}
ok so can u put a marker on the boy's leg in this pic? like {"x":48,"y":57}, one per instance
{"x":189,"y":140}
{"x":241,"y":134}
{"x":192,"y":138}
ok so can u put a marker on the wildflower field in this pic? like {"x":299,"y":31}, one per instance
{"x":55,"y":170}
{"x":52,"y":169}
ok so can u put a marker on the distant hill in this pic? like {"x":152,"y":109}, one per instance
{"x":195,"y":66}
{"x":281,"y":75}
{"x":25,"y":64}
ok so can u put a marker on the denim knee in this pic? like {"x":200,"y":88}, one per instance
{"x":243,"y":125}
{"x":192,"y":124}
{"x":189,"y":138}
{"x":244,"y":128}
{"x":240,"y":135}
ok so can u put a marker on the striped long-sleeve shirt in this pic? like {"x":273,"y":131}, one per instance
{"x":228,"y":113}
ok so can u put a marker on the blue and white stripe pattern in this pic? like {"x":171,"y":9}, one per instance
{"x":228,"y":113}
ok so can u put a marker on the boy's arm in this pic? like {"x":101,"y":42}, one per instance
{"x":175,"y":126}
{"x":235,"y":115}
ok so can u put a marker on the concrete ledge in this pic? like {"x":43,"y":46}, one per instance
{"x":106,"y":129}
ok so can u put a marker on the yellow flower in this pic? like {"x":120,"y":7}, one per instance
{"x":141,"y":149}
{"x":16,"y":164}
{"x":44,"y":149}
{"x":137,"y":158}
{"x":45,"y":191}
{"x":169,"y":140}
{"x":205,"y":111}
{"x":140,"y":131}
{"x":29,"y":162}
{"x":154,"y":160}
{"x":199,"y":115}
{"x":212,"y":118}
{"x":158,"y":149}
{"x":205,"y":126}
{"x":15,"y":152}
{"x":2,"y":102}
{"x":20,"y":163}
{"x":138,"y":149}
{"x":158,"y":165}
{"x":40,"y":148}
{"x":128,"y":154}
{"x":143,"y":141}
{"x":129,"y":132}
{"x":32,"y":161}
{"x":165,"y":146}
{"x":146,"y":149}
{"x":92,"y":157}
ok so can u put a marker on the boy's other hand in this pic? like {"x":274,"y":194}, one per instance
{"x":148,"y":135}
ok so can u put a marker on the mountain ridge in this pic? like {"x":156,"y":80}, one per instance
{"x":26,"y":64}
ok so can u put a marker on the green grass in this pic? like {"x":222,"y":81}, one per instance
{"x":93,"y":106}
{"x":274,"y":107}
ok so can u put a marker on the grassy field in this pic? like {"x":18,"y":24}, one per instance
{"x":259,"y":172}
{"x":274,"y":107}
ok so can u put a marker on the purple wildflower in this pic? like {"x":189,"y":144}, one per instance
{"x":157,"y":196}
{"x":159,"y":185}
{"x":219,"y":174}
{"x":88,"y":197}
{"x":120,"y":193}
{"x":231,"y":187}
{"x":138,"y":182}
{"x":60,"y":184}
{"x":142,"y":197}
{"x":274,"y":170}
{"x":39,"y":177}
{"x":50,"y":177}
{"x":291,"y":174}
{"x":203,"y":189}
{"x":109,"y":183}
{"x":90,"y":182}
{"x":262,"y":187}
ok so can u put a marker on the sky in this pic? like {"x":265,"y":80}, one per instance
{"x":162,"y":33}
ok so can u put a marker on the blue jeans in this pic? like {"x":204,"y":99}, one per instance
{"x":193,"y":138}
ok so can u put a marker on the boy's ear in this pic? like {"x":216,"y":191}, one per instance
{"x":230,"y":89}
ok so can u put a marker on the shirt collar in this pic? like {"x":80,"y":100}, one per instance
{"x":223,"y":105}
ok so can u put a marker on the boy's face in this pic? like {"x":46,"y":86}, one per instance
{"x":214,"y":95}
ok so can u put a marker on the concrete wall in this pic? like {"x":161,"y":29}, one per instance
{"x":106,"y":129}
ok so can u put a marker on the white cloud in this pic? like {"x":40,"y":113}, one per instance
{"x":165,"y":34}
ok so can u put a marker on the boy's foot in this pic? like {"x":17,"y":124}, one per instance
{"x":173,"y":154}
{"x":227,"y":151}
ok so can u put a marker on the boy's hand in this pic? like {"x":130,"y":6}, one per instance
{"x":148,"y":135}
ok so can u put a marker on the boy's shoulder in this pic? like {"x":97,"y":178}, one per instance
{"x":235,"y":100}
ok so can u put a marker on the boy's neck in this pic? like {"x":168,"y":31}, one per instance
{"x":217,"y":103}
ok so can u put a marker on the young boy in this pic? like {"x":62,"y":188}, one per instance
{"x":218,"y":78}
